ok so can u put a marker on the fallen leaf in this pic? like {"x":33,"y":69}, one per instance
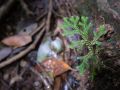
{"x":17,"y":40}
{"x":5,"y":52}
{"x":56,"y":67}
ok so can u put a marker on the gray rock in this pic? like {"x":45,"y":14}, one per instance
{"x":5,"y":52}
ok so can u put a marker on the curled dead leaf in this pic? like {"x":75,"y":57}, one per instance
{"x":56,"y":67}
{"x":17,"y":40}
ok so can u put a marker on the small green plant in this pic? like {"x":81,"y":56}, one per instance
{"x":89,"y":40}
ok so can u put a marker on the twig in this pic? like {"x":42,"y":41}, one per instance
{"x":16,"y":50}
{"x":66,"y":8}
{"x":49,"y":16}
{"x":25,"y":7}
{"x":43,"y":15}
{"x":4,"y":8}
{"x":105,"y":6}
{"x":57,"y":14}
{"x":38,"y":29}
{"x":43,"y":76}
{"x":21,"y":54}
{"x":48,"y":87}
{"x":5,"y":84}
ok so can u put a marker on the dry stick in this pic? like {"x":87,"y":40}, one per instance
{"x":21,"y":54}
{"x":39,"y":17}
{"x":57,"y":14}
{"x":58,"y":4}
{"x":25,"y":7}
{"x":48,"y":87}
{"x":31,"y":34}
{"x":4,"y":83}
{"x":49,"y":16}
{"x":66,"y":6}
{"x":5,"y":7}
{"x":72,"y":9}
{"x":38,"y":29}
{"x":105,"y":6}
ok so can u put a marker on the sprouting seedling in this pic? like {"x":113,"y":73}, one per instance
{"x":83,"y":27}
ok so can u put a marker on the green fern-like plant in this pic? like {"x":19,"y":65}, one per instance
{"x":82,"y":27}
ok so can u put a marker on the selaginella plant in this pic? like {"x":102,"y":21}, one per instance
{"x":89,"y":40}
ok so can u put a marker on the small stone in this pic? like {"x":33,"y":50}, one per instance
{"x":36,"y":83}
{"x":6,"y":76}
{"x":23,"y":63}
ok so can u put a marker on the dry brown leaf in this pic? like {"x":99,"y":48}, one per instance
{"x":57,"y":67}
{"x":17,"y":40}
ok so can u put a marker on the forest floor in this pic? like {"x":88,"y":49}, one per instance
{"x":17,"y":68}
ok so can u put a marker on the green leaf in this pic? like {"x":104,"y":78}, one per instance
{"x":100,"y":32}
{"x":77,"y":44}
{"x":81,"y":26}
{"x":98,"y":43}
{"x":82,"y":69}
